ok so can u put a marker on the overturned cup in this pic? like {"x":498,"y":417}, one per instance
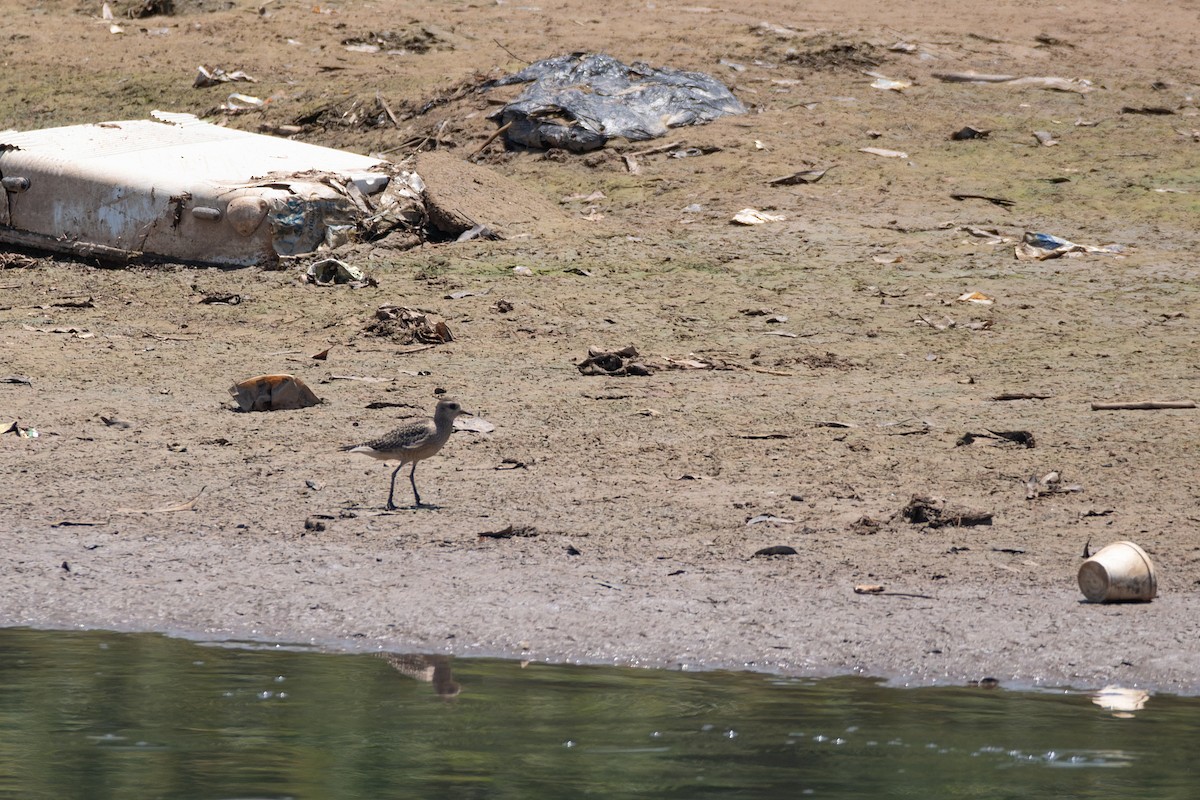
{"x":1121,"y":572}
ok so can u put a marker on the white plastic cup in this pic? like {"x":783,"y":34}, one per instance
{"x":1120,"y":572}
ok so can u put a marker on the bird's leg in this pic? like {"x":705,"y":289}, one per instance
{"x":412,"y":478}
{"x":391,"y":506}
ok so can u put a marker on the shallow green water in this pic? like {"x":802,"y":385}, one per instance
{"x":105,"y":715}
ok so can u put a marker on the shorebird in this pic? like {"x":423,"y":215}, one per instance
{"x":411,"y":443}
{"x":427,"y":669}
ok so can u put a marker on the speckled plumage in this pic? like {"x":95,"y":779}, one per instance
{"x":411,"y":443}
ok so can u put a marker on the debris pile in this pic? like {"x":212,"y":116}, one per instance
{"x":613,"y":362}
{"x":935,"y":512}
{"x":405,"y":325}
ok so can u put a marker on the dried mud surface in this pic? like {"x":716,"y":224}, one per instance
{"x":640,"y":489}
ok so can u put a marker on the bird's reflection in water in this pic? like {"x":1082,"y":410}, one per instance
{"x":428,"y":669}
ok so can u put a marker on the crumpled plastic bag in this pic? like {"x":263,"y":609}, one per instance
{"x":329,"y":271}
{"x":579,"y":101}
{"x":1042,"y":246}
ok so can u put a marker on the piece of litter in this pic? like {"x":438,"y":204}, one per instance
{"x":1150,"y":110}
{"x":1144,"y":405}
{"x":1042,"y":246}
{"x":776,"y":550}
{"x":106,"y":14}
{"x":522,"y":271}
{"x":803,"y":176}
{"x":770,"y":518}
{"x":752,"y":216}
{"x":969,"y":132}
{"x":273,"y":393}
{"x":405,"y":325}
{"x":882,"y":82}
{"x":329,"y":271}
{"x":78,"y":333}
{"x":473,"y":425}
{"x":478,"y":232}
{"x":625,"y":361}
{"x":1118,"y":699}
{"x":579,"y":101}
{"x":242,"y":102}
{"x":993,"y":237}
{"x":193,"y":191}
{"x":509,"y":532}
{"x":1077,"y":85}
{"x":976,"y":297}
{"x":187,"y":505}
{"x":764,"y":28}
{"x":22,"y":433}
{"x":945,"y":324}
{"x":935,"y":512}
{"x":879,"y":151}
{"x":1003,"y":202}
{"x":206,"y":77}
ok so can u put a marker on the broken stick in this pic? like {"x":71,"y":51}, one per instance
{"x":187,"y":505}
{"x":662,"y":148}
{"x":490,"y":139}
{"x":391,"y":115}
{"x":1145,"y":405}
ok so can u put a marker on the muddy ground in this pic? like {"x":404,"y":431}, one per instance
{"x":640,"y":493}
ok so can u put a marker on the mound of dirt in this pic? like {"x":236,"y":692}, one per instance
{"x":461,"y":195}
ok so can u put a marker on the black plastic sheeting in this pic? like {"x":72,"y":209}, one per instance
{"x":579,"y":101}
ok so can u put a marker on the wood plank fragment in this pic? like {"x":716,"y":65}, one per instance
{"x":1144,"y":405}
